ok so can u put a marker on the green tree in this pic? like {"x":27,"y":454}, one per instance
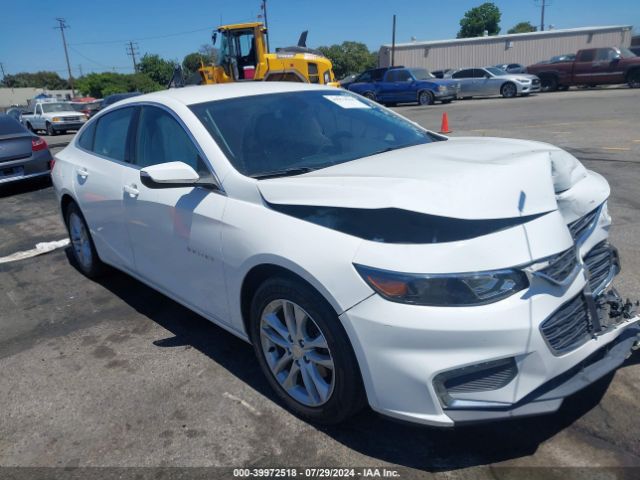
{"x":349,"y":57}
{"x":191,"y":62}
{"x":478,"y":19}
{"x":157,"y":68}
{"x":523,"y":27}
{"x":49,"y":80}
{"x":99,"y":85}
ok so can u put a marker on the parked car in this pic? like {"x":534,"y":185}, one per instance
{"x":366,"y":259}
{"x":512,"y":67}
{"x":52,"y":117}
{"x":482,"y":82}
{"x":87,"y":108}
{"x":23,"y":155}
{"x":116,"y":97}
{"x":592,"y":66}
{"x":404,"y":85}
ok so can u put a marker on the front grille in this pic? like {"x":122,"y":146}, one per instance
{"x":561,"y":266}
{"x":491,"y":376}
{"x":72,"y":119}
{"x":599,"y":263}
{"x":568,"y":327}
{"x":583,"y":224}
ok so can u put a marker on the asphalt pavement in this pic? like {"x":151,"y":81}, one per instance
{"x":112,"y":373}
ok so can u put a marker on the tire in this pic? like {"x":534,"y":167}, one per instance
{"x":337,"y":391}
{"x":444,"y":102}
{"x":633,"y":78}
{"x":50,"y":130}
{"x":370,"y":96}
{"x":509,"y":90}
{"x":83,"y":250}
{"x":563,"y":88}
{"x":425,"y":98}
{"x":29,"y":127}
{"x":548,"y":83}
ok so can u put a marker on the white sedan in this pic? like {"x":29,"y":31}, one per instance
{"x":440,"y":280}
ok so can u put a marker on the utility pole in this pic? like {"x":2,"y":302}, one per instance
{"x":2,"y":68}
{"x":543,"y":4}
{"x":62,"y":25}
{"x":266,"y":21}
{"x":132,"y":50}
{"x":393,"y":42}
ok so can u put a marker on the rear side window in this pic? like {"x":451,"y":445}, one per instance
{"x":463,"y":74}
{"x":161,"y":139}
{"x":110,"y":138}
{"x":587,"y":55}
{"x":86,"y":139}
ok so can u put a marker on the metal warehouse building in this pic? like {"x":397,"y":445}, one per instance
{"x":524,"y":48}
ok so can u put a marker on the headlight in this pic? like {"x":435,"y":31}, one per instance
{"x":442,"y":88}
{"x":523,"y":80}
{"x":445,"y":290}
{"x":56,"y":119}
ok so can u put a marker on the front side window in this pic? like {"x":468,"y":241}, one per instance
{"x":110,"y":139}
{"x":266,"y":134}
{"x":606,"y":54}
{"x":161,"y":139}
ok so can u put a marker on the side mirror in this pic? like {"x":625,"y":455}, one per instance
{"x":616,"y":57}
{"x":169,"y":175}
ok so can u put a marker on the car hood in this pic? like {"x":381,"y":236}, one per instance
{"x":466,"y":178}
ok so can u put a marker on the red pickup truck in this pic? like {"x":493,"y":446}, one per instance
{"x":592,"y":66}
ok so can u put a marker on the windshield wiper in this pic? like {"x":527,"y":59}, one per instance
{"x":283,"y":173}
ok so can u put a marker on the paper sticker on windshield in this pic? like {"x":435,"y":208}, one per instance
{"x":346,"y":101}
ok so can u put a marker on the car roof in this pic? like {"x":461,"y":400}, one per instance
{"x":206,"y":93}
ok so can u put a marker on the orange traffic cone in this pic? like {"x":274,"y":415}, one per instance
{"x":444,"y":128}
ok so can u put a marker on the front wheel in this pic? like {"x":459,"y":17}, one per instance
{"x":509,"y":90}
{"x":50,"y":130}
{"x":370,"y":95}
{"x":304,"y":352}
{"x":82,"y":248}
{"x":548,"y":84}
{"x":425,"y":98}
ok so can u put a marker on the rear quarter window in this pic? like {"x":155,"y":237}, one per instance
{"x":110,"y":138}
{"x":86,"y":138}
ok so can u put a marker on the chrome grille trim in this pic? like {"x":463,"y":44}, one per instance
{"x":582,"y":227}
{"x":559,"y":269}
{"x":602,"y":265}
{"x":568,"y":327}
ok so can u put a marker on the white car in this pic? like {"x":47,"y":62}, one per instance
{"x":53,"y":117}
{"x":481,"y":82}
{"x":441,"y":280}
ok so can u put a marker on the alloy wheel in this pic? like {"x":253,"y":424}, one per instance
{"x":297,"y":353}
{"x":509,"y":90}
{"x":80,"y":241}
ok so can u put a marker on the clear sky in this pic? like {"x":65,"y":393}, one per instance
{"x":173,"y":28}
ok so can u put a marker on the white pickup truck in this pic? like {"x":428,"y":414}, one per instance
{"x":53,"y":117}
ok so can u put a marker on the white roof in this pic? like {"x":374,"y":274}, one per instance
{"x":205,"y":93}
{"x":549,"y":33}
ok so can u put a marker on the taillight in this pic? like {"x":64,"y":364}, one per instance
{"x":38,"y":144}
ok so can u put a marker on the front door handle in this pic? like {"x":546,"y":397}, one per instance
{"x":82,"y":172}
{"x":131,"y":190}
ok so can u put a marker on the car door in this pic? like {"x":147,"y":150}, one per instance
{"x":386,"y":87}
{"x":484,"y":83}
{"x":175,"y":232}
{"x":99,"y":167}
{"x":38,"y":122}
{"x":465,"y":79}
{"x":583,"y":66}
{"x":606,"y":66}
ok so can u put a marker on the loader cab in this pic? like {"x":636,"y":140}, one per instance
{"x":241,"y":50}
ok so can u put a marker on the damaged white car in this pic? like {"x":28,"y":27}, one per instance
{"x":440,"y":280}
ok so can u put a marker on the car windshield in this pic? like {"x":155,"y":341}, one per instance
{"x":56,"y":107}
{"x":421,"y":73}
{"x":290,"y":133}
{"x":495,"y":71}
{"x":626,"y":53}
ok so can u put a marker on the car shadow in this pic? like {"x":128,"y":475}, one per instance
{"x":414,"y":446}
{"x":24,"y":186}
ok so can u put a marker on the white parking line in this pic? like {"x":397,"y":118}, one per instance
{"x":40,"y":248}
{"x":246,"y":405}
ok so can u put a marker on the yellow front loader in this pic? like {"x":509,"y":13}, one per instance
{"x":243,"y":56}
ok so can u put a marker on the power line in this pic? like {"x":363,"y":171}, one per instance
{"x":106,"y":42}
{"x":62,"y":25}
{"x":132,"y":50}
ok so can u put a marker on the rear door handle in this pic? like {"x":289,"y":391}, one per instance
{"x":82,"y":172}
{"x":131,"y":190}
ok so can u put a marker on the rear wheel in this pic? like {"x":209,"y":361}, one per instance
{"x":304,"y":352}
{"x":633,"y":78}
{"x":82,"y":247}
{"x":509,"y":90}
{"x":369,"y":95}
{"x":425,"y":98}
